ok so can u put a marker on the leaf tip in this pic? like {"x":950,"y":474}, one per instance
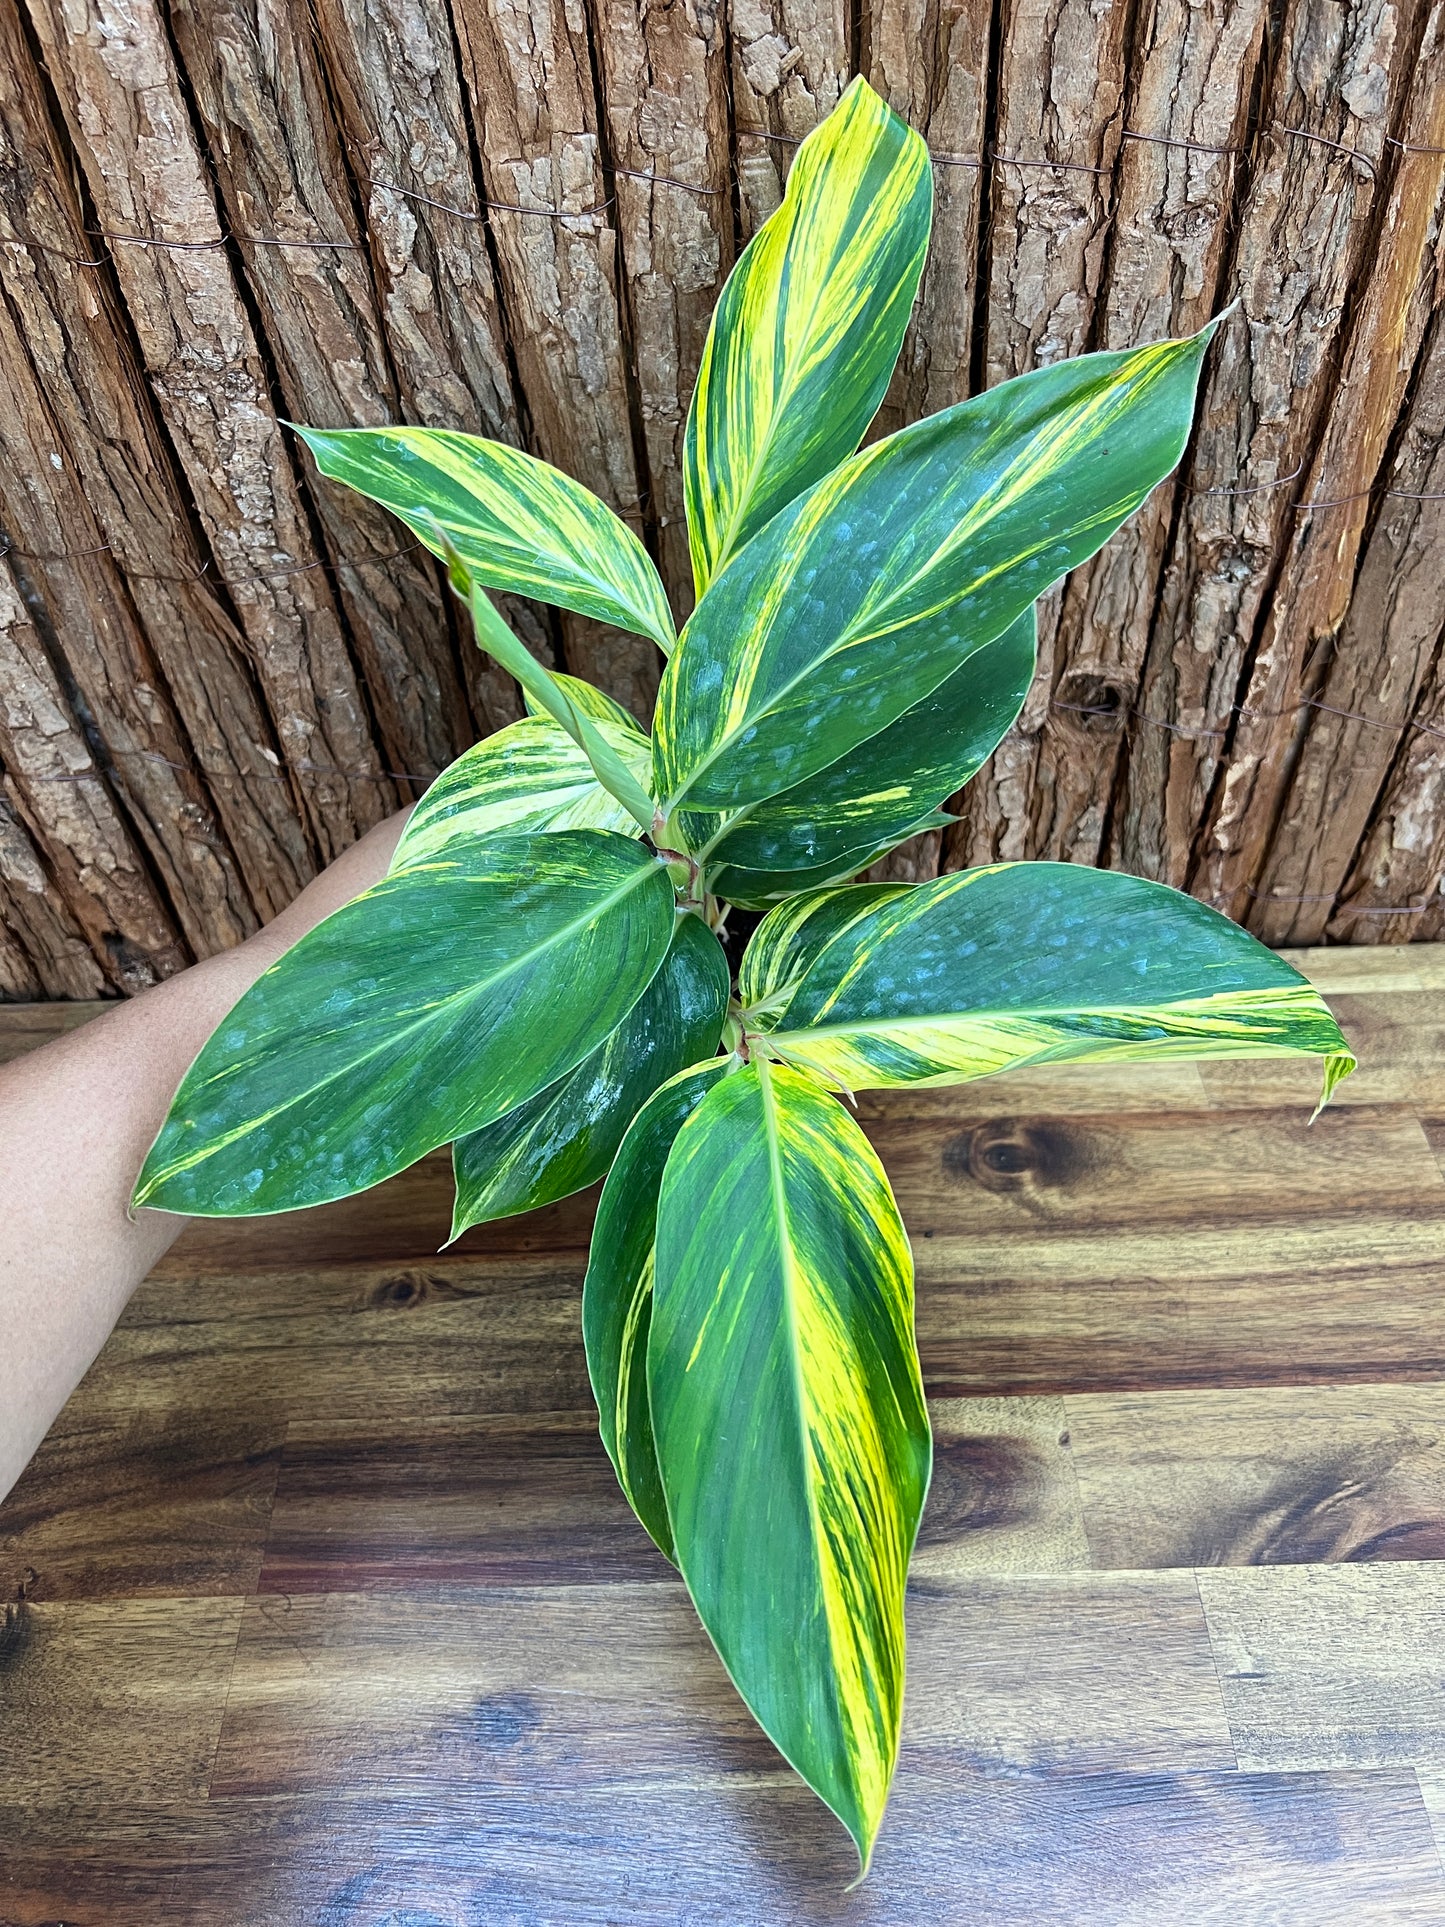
{"x":1337,"y":1067}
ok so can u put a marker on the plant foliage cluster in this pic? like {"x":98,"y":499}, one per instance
{"x":539,"y":981}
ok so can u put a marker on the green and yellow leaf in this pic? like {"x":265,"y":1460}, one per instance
{"x":887,"y":789}
{"x":617,"y":1293}
{"x":864,"y":595}
{"x":516,"y":522}
{"x":590,"y":700}
{"x":565,"y":1137}
{"x":806,"y":333}
{"x":1021,"y":963}
{"x":528,"y":777}
{"x":789,"y":1420}
{"x":440,"y":999}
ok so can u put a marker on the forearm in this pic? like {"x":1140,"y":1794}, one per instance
{"x":76,"y":1120}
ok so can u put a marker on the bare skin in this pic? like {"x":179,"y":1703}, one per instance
{"x":76,"y":1120}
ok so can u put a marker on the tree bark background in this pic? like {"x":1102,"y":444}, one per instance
{"x":514,"y":216}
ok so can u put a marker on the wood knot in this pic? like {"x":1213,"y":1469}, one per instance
{"x":1016,"y":1154}
{"x":1091,"y":703}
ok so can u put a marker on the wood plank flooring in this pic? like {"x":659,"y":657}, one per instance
{"x":320,"y":1604}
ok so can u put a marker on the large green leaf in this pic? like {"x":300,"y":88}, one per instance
{"x":517,"y":523}
{"x":788,"y":1413}
{"x":865,"y":594}
{"x":565,"y":1137}
{"x":806,"y":332}
{"x":617,"y":1293}
{"x":881,"y":792}
{"x":1020,"y":963}
{"x":528,"y":776}
{"x":444,"y":996}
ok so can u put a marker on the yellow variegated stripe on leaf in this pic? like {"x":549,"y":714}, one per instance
{"x":565,"y":1137}
{"x":865,"y":594}
{"x":617,"y":1293}
{"x":528,"y":776}
{"x":590,"y":700}
{"x":516,"y":522}
{"x":1020,"y":963}
{"x":789,"y":1420}
{"x":805,"y":335}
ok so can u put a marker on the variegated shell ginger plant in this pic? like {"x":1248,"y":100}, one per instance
{"x":539,"y":981}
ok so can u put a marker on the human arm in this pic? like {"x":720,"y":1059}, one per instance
{"x":76,"y":1120}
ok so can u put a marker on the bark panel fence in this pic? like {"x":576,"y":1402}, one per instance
{"x":514,"y":216}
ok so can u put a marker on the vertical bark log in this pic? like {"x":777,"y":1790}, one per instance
{"x":790,"y":63}
{"x":1164,"y":258}
{"x":1304,"y":235}
{"x":63,"y":337}
{"x":43,"y":952}
{"x":261,"y":101}
{"x":1290,"y":897}
{"x":929,"y":60}
{"x":128,"y":120}
{"x":529,"y":72}
{"x":43,"y":512}
{"x":1386,"y":788}
{"x":53,"y":784}
{"x":391,"y":67}
{"x":1060,"y":118}
{"x":665,"y":84}
{"x":1393,"y":893}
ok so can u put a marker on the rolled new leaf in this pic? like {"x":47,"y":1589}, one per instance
{"x":807,"y":330}
{"x":527,"y":777}
{"x":440,"y":999}
{"x":518,"y":523}
{"x":788,"y":1412}
{"x":617,"y":1293}
{"x":590,"y":700}
{"x":866,"y":593}
{"x":887,"y":789}
{"x":565,"y":1137}
{"x":1021,"y":963}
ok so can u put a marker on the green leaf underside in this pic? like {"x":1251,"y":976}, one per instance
{"x":788,"y":1412}
{"x":886,"y":789}
{"x":592,"y":701}
{"x":518,"y":523}
{"x":865,"y":594}
{"x":617,"y":1293}
{"x":807,"y":330}
{"x":528,"y":777}
{"x":565,"y":1137}
{"x":1021,"y":963}
{"x":440,"y":999}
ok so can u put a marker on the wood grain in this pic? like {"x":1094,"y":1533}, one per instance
{"x":1329,"y":1662}
{"x":325,"y":1605}
{"x":146,"y":1677}
{"x":1130,"y":1849}
{"x":1287,"y":1476}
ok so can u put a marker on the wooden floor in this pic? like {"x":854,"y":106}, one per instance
{"x":324,"y":1607}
